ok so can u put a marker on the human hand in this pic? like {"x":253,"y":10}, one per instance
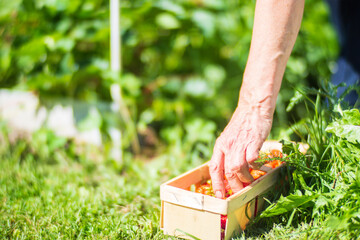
{"x":237,"y":148}
{"x":276,"y":25}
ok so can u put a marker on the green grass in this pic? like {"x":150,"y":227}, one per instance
{"x":51,"y":188}
{"x":76,"y":199}
{"x":84,"y":199}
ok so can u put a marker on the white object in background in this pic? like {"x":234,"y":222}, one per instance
{"x":115,"y":40}
{"x":22,"y":112}
{"x":115,"y":48}
{"x":92,"y":136}
{"x":115,"y":151}
{"x":115,"y":63}
{"x":61,"y":121}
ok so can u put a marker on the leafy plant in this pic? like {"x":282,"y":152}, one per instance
{"x":324,"y":183}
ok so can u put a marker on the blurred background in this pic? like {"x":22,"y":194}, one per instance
{"x":70,"y":142}
{"x":182,"y":65}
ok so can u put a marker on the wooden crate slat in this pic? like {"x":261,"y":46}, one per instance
{"x":162,"y":216}
{"x":215,"y":205}
{"x":179,"y":220}
{"x":257,"y":188}
{"x":197,"y":175}
{"x":182,"y":197}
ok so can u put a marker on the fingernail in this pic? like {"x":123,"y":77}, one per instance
{"x":218,"y":194}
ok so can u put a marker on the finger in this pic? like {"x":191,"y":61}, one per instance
{"x":244,"y":174}
{"x":240,"y":165}
{"x":235,"y":184}
{"x":252,"y":154}
{"x":216,"y":169}
{"x":234,"y":162}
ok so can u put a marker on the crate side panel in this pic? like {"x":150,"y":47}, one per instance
{"x":181,"y":197}
{"x":215,"y":205}
{"x":232,"y":224}
{"x":161,"y":216}
{"x":246,"y":213}
{"x":179,"y":220}
{"x":195,"y":176}
{"x":260,"y":204}
{"x":238,"y":219}
{"x":258,"y":187}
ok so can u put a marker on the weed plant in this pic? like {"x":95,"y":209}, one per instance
{"x":322,"y":192}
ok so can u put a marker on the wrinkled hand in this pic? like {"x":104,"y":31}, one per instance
{"x":276,"y":25}
{"x":237,"y":148}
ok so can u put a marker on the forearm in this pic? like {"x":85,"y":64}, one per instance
{"x":276,"y":25}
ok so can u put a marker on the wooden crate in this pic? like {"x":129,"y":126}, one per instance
{"x":193,"y":215}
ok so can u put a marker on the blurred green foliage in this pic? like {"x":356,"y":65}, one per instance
{"x":182,"y":60}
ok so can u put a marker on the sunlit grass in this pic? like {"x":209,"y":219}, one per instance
{"x":49,"y":190}
{"x":75,"y":200}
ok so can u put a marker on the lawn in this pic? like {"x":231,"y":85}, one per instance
{"x":69,"y":191}
{"x":74,"y":197}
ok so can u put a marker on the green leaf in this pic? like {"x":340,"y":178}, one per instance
{"x":65,"y":44}
{"x":59,"y":5}
{"x":337,"y":223}
{"x":205,"y":21}
{"x":167,"y":21}
{"x":93,"y":120}
{"x":298,"y":97}
{"x":353,"y":148}
{"x":215,"y":74}
{"x":320,"y":203}
{"x":172,"y":134}
{"x":352,"y":116}
{"x":288,"y":204}
{"x":172,"y":86}
{"x":56,"y":142}
{"x":349,"y":132}
{"x":297,"y":65}
{"x":7,"y":7}
{"x":31,"y":53}
{"x":200,"y":130}
{"x":5,"y":57}
{"x":198,"y":87}
{"x":216,"y":4}
{"x":347,"y":127}
{"x":131,"y":84}
{"x":170,"y":6}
